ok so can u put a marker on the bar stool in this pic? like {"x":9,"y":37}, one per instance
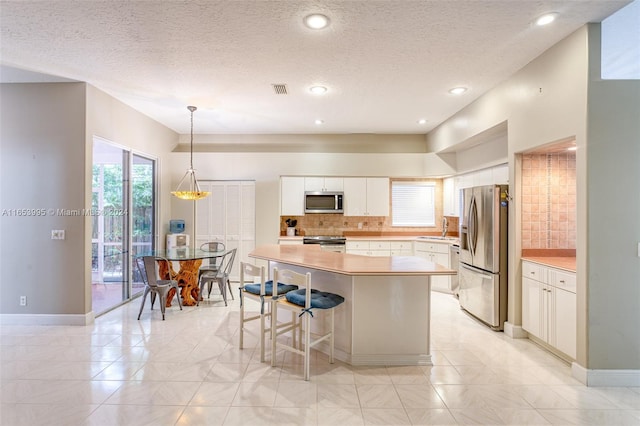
{"x":302,"y":302}
{"x":258,"y":291}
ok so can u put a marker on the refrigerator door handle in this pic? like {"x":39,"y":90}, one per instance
{"x":473,"y":226}
{"x":476,"y":271}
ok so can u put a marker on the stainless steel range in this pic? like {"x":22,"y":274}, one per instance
{"x":327,"y":243}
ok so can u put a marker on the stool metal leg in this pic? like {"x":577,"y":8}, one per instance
{"x":331,"y":339}
{"x":307,"y":348}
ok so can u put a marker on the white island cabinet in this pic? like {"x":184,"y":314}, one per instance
{"x":385,"y":318}
{"x":549,"y":306}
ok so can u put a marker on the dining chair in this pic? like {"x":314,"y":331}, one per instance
{"x":152,"y":284}
{"x":211,"y":264}
{"x":302,"y":301}
{"x":221,"y":276}
{"x":257,"y":291}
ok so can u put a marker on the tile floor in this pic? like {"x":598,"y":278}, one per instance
{"x":188,"y":370}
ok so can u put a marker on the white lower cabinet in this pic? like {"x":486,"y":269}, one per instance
{"x":549,"y":306}
{"x":379,"y":247}
{"x":369,"y":248}
{"x":357,"y":247}
{"x":401,"y":248}
{"x":436,"y":253}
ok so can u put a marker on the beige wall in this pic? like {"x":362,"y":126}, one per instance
{"x":543,"y":102}
{"x":556,"y":97}
{"x":47,"y":134}
{"x":613,"y":213}
{"x":42,"y":166}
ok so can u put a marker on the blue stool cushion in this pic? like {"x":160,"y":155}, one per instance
{"x":268,"y":288}
{"x":319,"y":299}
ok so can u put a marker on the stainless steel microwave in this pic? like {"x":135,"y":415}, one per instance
{"x":323,"y":202}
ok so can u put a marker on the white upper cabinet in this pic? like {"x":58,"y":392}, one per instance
{"x":501,"y":174}
{"x":292,"y":196}
{"x":498,"y":175}
{"x":377,"y":196}
{"x":366,"y":196}
{"x":450,"y":197}
{"x":323,"y":184}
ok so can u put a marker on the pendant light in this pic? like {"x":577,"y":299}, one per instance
{"x":193,"y":191}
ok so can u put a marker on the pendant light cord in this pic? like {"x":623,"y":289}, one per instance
{"x":192,"y":109}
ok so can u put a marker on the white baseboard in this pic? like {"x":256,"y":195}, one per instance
{"x":515,"y":331}
{"x":47,"y":319}
{"x":605,"y":378}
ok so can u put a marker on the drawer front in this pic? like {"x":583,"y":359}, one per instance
{"x":438,"y":248}
{"x":431,"y":247}
{"x":401,"y":245}
{"x":562,"y":279}
{"x":357,"y":245}
{"x":534,"y":271}
{"x":380,"y":245}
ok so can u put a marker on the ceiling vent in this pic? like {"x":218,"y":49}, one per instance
{"x":280,"y":89}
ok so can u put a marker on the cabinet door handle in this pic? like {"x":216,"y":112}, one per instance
{"x":562,"y":281}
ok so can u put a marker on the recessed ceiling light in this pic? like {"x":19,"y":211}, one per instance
{"x":316,"y":21}
{"x":572,"y":148}
{"x":422,"y":121}
{"x":547,"y":18}
{"x":458,"y":90}
{"x":318,"y":90}
{"x":319,"y":122}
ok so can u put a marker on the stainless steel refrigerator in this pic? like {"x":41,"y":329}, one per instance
{"x":483,"y":254}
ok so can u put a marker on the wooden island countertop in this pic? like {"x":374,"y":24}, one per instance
{"x":311,"y":256}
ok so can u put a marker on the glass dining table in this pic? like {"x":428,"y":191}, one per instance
{"x":190,"y":260}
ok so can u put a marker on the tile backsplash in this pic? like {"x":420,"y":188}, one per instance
{"x":337,"y":224}
{"x":549,"y":201}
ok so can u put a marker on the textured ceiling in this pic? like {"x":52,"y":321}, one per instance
{"x":386,"y":63}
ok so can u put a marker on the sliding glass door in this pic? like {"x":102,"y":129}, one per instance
{"x":123,"y":225}
{"x":142,"y":213}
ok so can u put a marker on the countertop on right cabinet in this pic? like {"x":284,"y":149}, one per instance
{"x":568,"y":263}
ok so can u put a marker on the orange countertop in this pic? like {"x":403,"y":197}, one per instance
{"x":312,"y":257}
{"x":567,"y":263}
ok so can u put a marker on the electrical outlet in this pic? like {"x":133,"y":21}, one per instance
{"x":23,"y":300}
{"x":57,"y":234}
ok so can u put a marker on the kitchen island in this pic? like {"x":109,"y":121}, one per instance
{"x":385,"y":319}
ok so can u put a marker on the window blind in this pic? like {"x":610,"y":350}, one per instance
{"x":413,"y":203}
